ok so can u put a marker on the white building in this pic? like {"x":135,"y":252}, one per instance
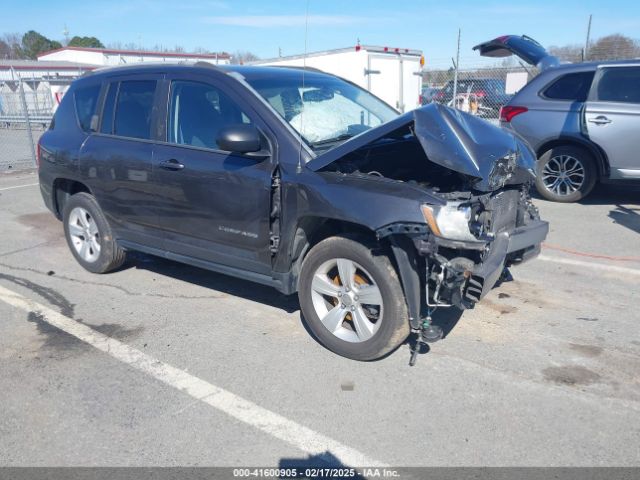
{"x":106,"y":56}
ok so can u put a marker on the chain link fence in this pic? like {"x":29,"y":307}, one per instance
{"x":26,"y":110}
{"x":481,"y":90}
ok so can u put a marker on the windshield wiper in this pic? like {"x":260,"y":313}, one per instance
{"x":327,"y":141}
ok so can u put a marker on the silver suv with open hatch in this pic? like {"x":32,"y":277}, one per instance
{"x":581,"y":119}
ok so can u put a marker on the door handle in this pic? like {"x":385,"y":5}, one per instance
{"x":599,"y":120}
{"x":171,"y":164}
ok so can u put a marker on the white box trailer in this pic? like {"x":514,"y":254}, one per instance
{"x":392,"y":74}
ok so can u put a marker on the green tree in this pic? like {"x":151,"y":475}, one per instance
{"x":33,"y":43}
{"x":86,"y":42}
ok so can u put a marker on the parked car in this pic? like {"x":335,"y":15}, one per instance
{"x":489,"y":93}
{"x":427,"y":94}
{"x":307,"y":184}
{"x":581,"y":119}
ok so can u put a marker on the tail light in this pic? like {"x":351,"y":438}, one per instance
{"x":439,"y":95}
{"x":508,"y":112}
{"x":481,"y":94}
{"x":420,"y":99}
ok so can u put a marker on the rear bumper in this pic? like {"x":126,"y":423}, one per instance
{"x":516,"y":246}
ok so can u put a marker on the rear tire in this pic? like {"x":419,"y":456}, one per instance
{"x":89,"y":235}
{"x":566,"y":174}
{"x":357,"y":294}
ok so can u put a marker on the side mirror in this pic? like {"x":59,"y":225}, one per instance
{"x":240,"y":138}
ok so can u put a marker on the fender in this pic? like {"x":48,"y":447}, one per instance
{"x":602,"y":161}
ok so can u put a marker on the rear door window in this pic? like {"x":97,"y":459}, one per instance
{"x":133,"y":109}
{"x":86,"y":99}
{"x":573,"y":87}
{"x":619,"y":84}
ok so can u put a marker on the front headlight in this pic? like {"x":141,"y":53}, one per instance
{"x":449,"y":221}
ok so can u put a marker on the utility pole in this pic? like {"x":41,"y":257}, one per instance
{"x":65,"y":32}
{"x":455,"y":72}
{"x":586,"y":45}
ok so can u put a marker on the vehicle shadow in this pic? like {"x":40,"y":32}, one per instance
{"x":214,"y":281}
{"x":445,"y":318}
{"x":305,"y":467}
{"x":627,"y":217}
{"x":604,"y":194}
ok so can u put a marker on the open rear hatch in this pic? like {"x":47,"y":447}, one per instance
{"x":526,"y":48}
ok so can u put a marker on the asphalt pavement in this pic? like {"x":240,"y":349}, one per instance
{"x":161,"y":364}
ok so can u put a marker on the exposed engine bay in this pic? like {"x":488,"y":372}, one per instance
{"x":400,"y":156}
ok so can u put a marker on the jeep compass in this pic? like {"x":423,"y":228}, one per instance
{"x":298,"y":180}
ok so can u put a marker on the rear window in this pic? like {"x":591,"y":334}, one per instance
{"x":620,"y":84}
{"x":573,"y":87}
{"x":133,"y":109}
{"x":86,"y":100}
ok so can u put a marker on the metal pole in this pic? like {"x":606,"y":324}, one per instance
{"x":28,"y":122}
{"x":586,"y":44}
{"x":455,"y":72}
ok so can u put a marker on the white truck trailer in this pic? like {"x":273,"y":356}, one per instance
{"x":392,"y":74}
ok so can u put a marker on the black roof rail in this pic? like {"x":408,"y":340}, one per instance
{"x":311,"y":69}
{"x":202,"y":63}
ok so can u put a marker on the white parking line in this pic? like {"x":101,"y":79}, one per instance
{"x":271,"y":423}
{"x":19,"y":186}
{"x":594,"y":265}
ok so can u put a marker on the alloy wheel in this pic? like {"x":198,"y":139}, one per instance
{"x":563,"y":175}
{"x":347,"y":300}
{"x":84,"y":233}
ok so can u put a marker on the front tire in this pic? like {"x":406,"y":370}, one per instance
{"x":352,"y":300}
{"x":566,"y":174}
{"x":89,"y":235}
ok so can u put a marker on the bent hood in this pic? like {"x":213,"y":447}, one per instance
{"x":455,"y":140}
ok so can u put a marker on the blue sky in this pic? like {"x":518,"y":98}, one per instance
{"x":263,"y":27}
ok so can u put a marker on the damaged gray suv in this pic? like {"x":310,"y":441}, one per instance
{"x":297,"y":180}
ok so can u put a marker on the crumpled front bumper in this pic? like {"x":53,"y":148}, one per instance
{"x":508,"y":248}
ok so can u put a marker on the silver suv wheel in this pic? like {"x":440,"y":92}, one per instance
{"x":347,"y":300}
{"x":563,"y":175}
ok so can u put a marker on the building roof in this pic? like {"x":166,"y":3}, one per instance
{"x":43,"y":65}
{"x":356,"y":48}
{"x":146,"y":53}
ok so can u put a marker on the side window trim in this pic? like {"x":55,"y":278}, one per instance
{"x":107,"y":90}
